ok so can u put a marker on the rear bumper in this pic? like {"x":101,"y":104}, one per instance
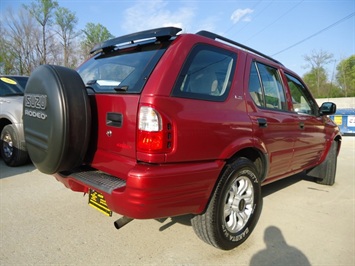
{"x":153,"y":191}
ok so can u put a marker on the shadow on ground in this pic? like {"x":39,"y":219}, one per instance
{"x":277,"y":252}
{"x":7,"y":171}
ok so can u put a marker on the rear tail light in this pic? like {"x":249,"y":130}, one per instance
{"x":154,"y":132}
{"x":149,"y":119}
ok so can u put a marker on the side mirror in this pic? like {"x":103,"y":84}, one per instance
{"x":327,"y":108}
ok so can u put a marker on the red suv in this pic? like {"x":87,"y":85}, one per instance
{"x":157,"y":124}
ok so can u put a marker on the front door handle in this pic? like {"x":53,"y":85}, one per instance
{"x":262,"y":122}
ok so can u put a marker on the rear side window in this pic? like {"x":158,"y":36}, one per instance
{"x":206,"y":74}
{"x":265,"y":87}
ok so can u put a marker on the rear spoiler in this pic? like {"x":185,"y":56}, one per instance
{"x":160,"y":34}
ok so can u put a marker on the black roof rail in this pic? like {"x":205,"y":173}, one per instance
{"x":214,"y":36}
{"x":159,"y":33}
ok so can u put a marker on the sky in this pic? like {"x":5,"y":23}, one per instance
{"x":284,"y":29}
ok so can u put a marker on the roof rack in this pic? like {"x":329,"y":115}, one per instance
{"x":214,"y":36}
{"x":159,"y":33}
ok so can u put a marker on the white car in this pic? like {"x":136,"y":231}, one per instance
{"x":12,"y":142}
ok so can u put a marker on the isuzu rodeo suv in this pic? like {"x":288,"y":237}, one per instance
{"x":159,"y":124}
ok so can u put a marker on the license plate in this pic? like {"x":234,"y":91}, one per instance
{"x":97,"y":201}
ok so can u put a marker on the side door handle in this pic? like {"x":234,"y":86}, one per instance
{"x":301,"y":125}
{"x":114,"y":119}
{"x":262,"y":122}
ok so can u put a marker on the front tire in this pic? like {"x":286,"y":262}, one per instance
{"x":234,"y":209}
{"x":13,"y":151}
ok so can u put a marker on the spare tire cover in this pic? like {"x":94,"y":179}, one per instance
{"x":57,"y":118}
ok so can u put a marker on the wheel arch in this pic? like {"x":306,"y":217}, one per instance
{"x":19,"y":127}
{"x":257,"y":157}
{"x":338,"y":139}
{"x":335,"y":138}
{"x":253,"y":149}
{"x":4,"y":122}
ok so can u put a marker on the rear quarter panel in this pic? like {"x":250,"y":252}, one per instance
{"x":204,"y":130}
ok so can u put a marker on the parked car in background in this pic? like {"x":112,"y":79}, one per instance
{"x":12,"y":141}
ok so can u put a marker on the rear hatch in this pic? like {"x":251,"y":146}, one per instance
{"x":115,"y":77}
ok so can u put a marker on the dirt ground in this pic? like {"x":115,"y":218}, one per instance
{"x":302,"y":223}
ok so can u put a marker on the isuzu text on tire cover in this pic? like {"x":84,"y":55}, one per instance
{"x":159,"y":124}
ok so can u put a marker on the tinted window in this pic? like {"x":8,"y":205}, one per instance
{"x":125,"y":70}
{"x":301,"y":100}
{"x":12,"y":85}
{"x":207,"y":74}
{"x":266,"y":88}
{"x":255,"y":88}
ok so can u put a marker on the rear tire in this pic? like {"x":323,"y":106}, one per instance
{"x":234,"y":209}
{"x":13,"y":150}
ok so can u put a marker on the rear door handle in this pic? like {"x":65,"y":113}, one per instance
{"x":301,"y":125}
{"x":114,"y":119}
{"x":262,"y":122}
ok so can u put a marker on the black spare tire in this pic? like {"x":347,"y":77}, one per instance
{"x":57,"y":118}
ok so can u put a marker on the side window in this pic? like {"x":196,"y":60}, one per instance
{"x":265,"y":87}
{"x":301,"y":101}
{"x":206,"y":74}
{"x":255,"y":88}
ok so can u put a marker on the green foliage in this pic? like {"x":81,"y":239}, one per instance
{"x":65,"y":19}
{"x":346,"y":76}
{"x":42,"y":10}
{"x":6,"y":58}
{"x":66,"y":22}
{"x":19,"y":43}
{"x":317,"y":79}
{"x":94,"y":34}
{"x":42,"y":32}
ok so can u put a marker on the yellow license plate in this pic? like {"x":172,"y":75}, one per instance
{"x":97,"y":201}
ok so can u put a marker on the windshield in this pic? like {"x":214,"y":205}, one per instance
{"x":121,"y":71}
{"x":12,"y":85}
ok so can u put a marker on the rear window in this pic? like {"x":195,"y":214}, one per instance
{"x":124,"y":70}
{"x":207,"y":74}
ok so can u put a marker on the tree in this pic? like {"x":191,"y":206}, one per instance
{"x":317,"y":60}
{"x":5,"y":58}
{"x":346,"y":76}
{"x":94,"y":34}
{"x":42,"y":11}
{"x":19,"y":39}
{"x":313,"y":79}
{"x":66,"y":22}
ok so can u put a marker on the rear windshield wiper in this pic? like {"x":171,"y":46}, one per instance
{"x":103,"y":83}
